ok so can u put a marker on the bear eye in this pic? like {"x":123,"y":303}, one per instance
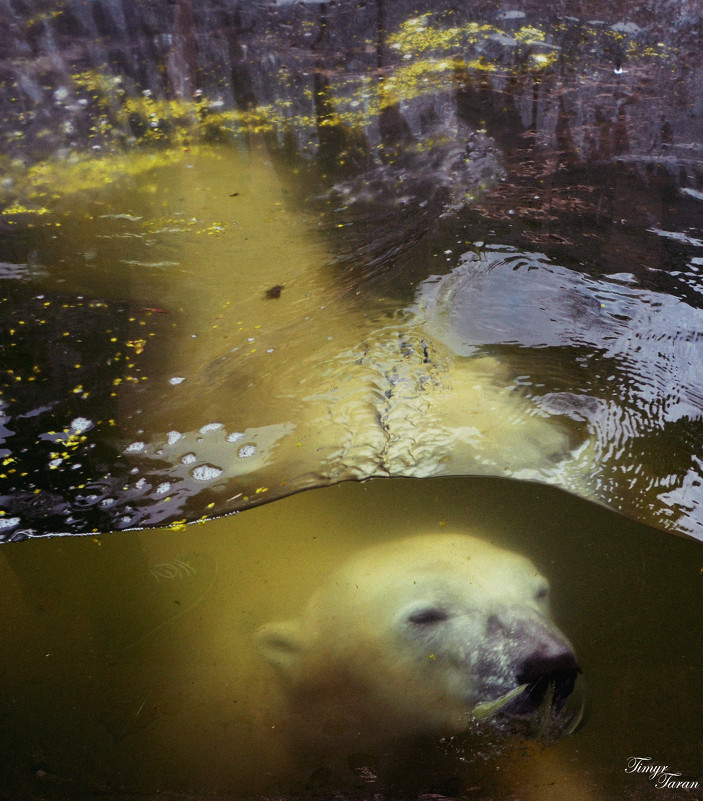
{"x":428,"y":615}
{"x":542,"y":592}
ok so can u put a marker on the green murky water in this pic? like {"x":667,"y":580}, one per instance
{"x":128,"y":663}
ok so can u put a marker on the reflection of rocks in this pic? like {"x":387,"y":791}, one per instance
{"x":446,"y":177}
{"x":389,"y":209}
{"x":264,"y":59}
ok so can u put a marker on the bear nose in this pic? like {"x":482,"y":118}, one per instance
{"x":557,"y":666}
{"x":552,"y":661}
{"x":543,"y":658}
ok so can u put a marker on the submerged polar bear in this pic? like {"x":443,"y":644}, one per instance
{"x":417,"y":640}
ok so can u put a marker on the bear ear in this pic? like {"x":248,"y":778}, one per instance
{"x":282,"y":645}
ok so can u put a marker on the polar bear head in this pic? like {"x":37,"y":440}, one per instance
{"x":423,"y":637}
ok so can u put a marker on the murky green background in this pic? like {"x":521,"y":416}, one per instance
{"x":175,"y":704}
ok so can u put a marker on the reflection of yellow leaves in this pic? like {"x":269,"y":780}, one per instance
{"x":481,"y":65}
{"x":42,"y":16}
{"x":214,"y":229}
{"x":635,"y":50}
{"x":48,"y":180}
{"x":416,"y":36}
{"x":18,"y":208}
{"x":540,"y":61}
{"x":430,"y":47}
{"x":137,"y":344}
{"x":528,"y":33}
{"x":415,"y":79}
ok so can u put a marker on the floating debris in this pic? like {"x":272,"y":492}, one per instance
{"x":488,"y":708}
{"x":274,"y":292}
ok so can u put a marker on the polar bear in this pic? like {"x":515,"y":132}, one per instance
{"x":421,"y":639}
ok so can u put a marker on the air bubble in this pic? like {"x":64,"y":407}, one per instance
{"x":211,"y":427}
{"x":206,"y":472}
{"x":135,"y":447}
{"x":80,"y":424}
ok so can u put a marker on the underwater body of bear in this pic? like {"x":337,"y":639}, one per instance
{"x":412,"y":642}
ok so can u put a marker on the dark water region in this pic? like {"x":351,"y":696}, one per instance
{"x":129,"y":666}
{"x":254,"y":248}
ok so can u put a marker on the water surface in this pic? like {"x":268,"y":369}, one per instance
{"x":273,"y":247}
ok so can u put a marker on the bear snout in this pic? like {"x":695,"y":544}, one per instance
{"x":556,"y":662}
{"x":539,"y":671}
{"x":523,"y":647}
{"x":547,"y":659}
